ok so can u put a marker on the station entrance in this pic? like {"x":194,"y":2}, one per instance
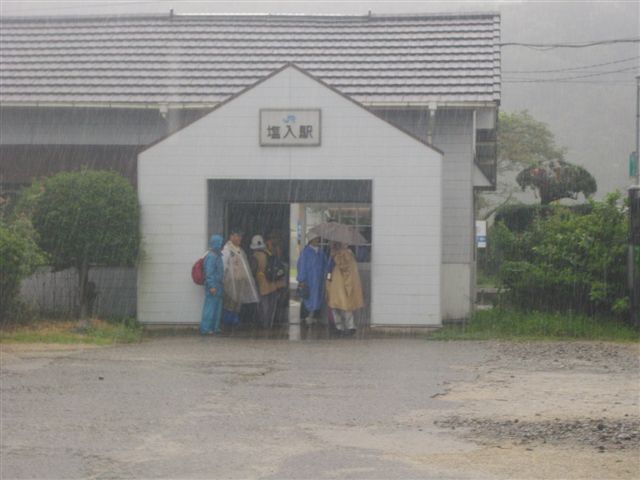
{"x":286,"y":211}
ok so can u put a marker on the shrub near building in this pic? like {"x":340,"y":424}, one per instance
{"x":19,"y":256}
{"x":83,"y":219}
{"x":567,"y":261}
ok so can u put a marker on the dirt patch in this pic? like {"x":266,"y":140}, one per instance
{"x":576,"y":402}
{"x":602,"y":434}
{"x":29,"y":356}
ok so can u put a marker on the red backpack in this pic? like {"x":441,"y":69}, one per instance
{"x":197,"y":271}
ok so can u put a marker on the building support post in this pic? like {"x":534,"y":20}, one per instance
{"x":634,"y":227}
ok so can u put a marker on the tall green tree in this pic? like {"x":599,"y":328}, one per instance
{"x":84,"y":218}
{"x":524,"y":141}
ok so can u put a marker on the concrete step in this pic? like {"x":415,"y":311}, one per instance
{"x":487,"y":295}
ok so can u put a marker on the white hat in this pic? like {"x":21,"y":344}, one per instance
{"x":257,"y":242}
{"x":311,"y":236}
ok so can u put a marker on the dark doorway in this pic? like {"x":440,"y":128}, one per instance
{"x":259,"y":219}
{"x":262,"y":219}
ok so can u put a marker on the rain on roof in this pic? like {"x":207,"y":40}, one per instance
{"x":196,"y":60}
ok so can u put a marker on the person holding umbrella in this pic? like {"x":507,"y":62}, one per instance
{"x":344,"y":289}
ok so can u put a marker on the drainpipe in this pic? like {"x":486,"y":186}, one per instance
{"x":431,"y":122}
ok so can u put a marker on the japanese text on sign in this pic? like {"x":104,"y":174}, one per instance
{"x":297,"y":127}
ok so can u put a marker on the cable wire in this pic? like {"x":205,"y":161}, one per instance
{"x":584,"y":67}
{"x":560,"y":79}
{"x":550,"y":46}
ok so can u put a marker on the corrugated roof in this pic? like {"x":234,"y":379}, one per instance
{"x":204,"y":59}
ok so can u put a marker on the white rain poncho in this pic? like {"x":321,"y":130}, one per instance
{"x":239,"y":284}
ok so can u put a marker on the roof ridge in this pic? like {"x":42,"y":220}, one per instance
{"x":257,"y":15}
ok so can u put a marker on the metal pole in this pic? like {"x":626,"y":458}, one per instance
{"x":634,"y":226}
{"x":638,"y":131}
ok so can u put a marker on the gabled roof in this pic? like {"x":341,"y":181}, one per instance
{"x":315,"y":79}
{"x":196,"y":60}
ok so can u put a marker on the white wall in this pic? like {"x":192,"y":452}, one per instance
{"x":406,"y":175}
{"x":454,"y":135}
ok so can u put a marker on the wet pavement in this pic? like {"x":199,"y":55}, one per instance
{"x":192,"y":407}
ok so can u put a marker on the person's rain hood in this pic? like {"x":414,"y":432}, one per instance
{"x":215,"y":243}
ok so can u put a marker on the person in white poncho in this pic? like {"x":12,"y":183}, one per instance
{"x":239,"y":285}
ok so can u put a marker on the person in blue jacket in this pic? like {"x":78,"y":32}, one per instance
{"x":312,"y":269}
{"x":214,"y":274}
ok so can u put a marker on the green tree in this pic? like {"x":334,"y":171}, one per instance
{"x":84,"y":218}
{"x":556,"y":179}
{"x":523,"y":142}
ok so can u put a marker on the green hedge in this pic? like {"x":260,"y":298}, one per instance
{"x":519,"y":217}
{"x":565,"y":261}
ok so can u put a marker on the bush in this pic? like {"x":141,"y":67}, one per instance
{"x":19,"y":255}
{"x":84,"y":218}
{"x":567,"y":261}
{"x":519,"y":217}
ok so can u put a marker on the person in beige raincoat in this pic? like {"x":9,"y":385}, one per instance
{"x":344,"y":289}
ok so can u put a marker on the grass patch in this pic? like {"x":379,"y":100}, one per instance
{"x":100,"y":332}
{"x":507,"y":324}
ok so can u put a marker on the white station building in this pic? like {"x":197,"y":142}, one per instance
{"x":268,"y":122}
{"x":231,"y":156}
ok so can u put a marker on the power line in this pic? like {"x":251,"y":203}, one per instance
{"x":584,"y":67}
{"x":540,"y":80}
{"x":584,"y":82}
{"x":550,"y":46}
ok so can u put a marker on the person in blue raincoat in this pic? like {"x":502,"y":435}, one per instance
{"x":313,"y":266}
{"x":214,"y":274}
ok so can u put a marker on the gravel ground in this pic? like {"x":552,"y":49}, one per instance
{"x":188,"y":407}
{"x":602,"y":434}
{"x":553,"y":406}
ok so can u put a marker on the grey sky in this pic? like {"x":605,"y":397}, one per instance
{"x":594,"y":117}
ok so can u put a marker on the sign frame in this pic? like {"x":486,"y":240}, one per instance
{"x":317,"y":139}
{"x":481,"y":233}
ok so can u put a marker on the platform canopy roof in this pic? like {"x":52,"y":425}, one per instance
{"x":201,"y":60}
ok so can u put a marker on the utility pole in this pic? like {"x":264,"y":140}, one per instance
{"x":634,"y":225}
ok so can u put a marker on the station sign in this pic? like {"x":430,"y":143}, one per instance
{"x":290,"y":128}
{"x":481,"y":233}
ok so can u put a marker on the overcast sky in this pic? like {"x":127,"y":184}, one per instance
{"x":593,"y":116}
